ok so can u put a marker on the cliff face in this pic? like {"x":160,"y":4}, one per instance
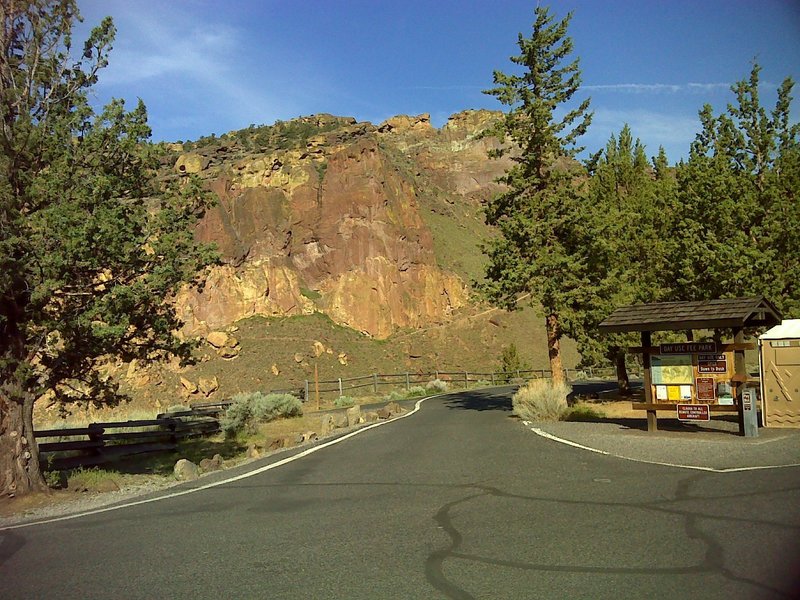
{"x":326,"y":214}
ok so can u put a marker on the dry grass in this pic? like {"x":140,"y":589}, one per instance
{"x":540,"y":400}
{"x":284,"y":427}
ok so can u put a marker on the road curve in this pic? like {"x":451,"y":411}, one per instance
{"x":457,"y":501}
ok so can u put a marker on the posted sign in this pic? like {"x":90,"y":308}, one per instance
{"x":712,"y":363}
{"x":693,"y":412}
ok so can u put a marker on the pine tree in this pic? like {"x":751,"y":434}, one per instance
{"x":738,"y":203}
{"x":539,"y":252}
{"x":629,"y":206}
{"x":90,"y":247}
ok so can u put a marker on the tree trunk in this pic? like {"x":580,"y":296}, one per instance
{"x":623,"y":383}
{"x":19,"y":455}
{"x":554,"y":347}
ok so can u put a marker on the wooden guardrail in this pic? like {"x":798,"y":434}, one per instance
{"x":103,"y":442}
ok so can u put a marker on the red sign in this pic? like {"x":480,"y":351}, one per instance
{"x":705,"y":388}
{"x":693,"y":412}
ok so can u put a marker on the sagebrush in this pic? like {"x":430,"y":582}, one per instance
{"x":344,"y":401}
{"x":541,"y":400}
{"x":437,"y":385}
{"x":250,"y":409}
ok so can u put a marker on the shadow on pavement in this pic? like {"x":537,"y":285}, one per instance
{"x":717,"y":425}
{"x":480,"y":401}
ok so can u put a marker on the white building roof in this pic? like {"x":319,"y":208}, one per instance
{"x":788,"y":329}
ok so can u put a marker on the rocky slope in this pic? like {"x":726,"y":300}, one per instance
{"x":375,"y":226}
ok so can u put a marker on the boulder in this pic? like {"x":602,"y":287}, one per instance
{"x":228,"y":353}
{"x":212,"y":464}
{"x":191,"y":163}
{"x":343,"y":359}
{"x":395,"y":408}
{"x":275,"y":370}
{"x":371,"y":416}
{"x":253,"y":451}
{"x":208,"y":386}
{"x":188,"y":386}
{"x":308,"y":436}
{"x":218,"y":339}
{"x":353,"y":415}
{"x":319,"y":349}
{"x":327,"y":424}
{"x":186,"y":470}
{"x":340,"y":420}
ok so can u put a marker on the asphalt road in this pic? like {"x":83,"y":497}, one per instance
{"x":457,"y":501}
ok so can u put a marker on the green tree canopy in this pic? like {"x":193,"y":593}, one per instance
{"x":90,"y":245}
{"x":539,"y":252}
{"x":736,"y":233}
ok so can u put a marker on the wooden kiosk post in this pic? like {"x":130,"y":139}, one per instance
{"x":694,"y":378}
{"x":652,"y":418}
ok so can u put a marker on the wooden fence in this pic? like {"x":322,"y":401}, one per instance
{"x":374,"y":382}
{"x":104,"y":442}
{"x":99,"y":443}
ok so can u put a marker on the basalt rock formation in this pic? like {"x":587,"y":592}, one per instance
{"x":326,"y":214}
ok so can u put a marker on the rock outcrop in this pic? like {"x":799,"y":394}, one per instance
{"x":333,"y":220}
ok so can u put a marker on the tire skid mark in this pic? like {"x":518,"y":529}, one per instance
{"x":713,"y":562}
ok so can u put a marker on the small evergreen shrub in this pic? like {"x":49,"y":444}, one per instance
{"x":343,"y":401}
{"x":540,"y":400}
{"x":250,"y":409}
{"x":437,"y":385}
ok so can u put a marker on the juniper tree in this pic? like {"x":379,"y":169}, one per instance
{"x":630,"y":205}
{"x":739,"y":228}
{"x":89,"y":246}
{"x":539,"y":251}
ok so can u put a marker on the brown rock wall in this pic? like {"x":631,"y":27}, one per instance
{"x":339,"y":217}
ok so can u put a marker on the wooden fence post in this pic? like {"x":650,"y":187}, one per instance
{"x":305,"y":399}
{"x":340,"y":387}
{"x":492,"y":377}
{"x":375,"y":382}
{"x":466,"y":379}
{"x":408,"y":382}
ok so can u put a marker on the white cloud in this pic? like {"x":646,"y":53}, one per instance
{"x":657,"y":88}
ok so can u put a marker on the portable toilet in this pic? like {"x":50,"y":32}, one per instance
{"x":779,"y":351}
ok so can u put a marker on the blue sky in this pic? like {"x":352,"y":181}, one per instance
{"x":205,"y":66}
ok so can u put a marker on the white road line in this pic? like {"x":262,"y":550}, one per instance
{"x":207,"y":486}
{"x":554,"y":438}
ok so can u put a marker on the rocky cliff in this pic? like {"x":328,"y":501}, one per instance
{"x":375,"y":226}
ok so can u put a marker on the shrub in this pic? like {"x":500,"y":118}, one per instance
{"x":394,"y":396}
{"x":416,"y":390}
{"x":436,"y":385}
{"x":343,"y":401}
{"x":540,"y":400}
{"x":511,"y":363}
{"x":250,"y":409}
